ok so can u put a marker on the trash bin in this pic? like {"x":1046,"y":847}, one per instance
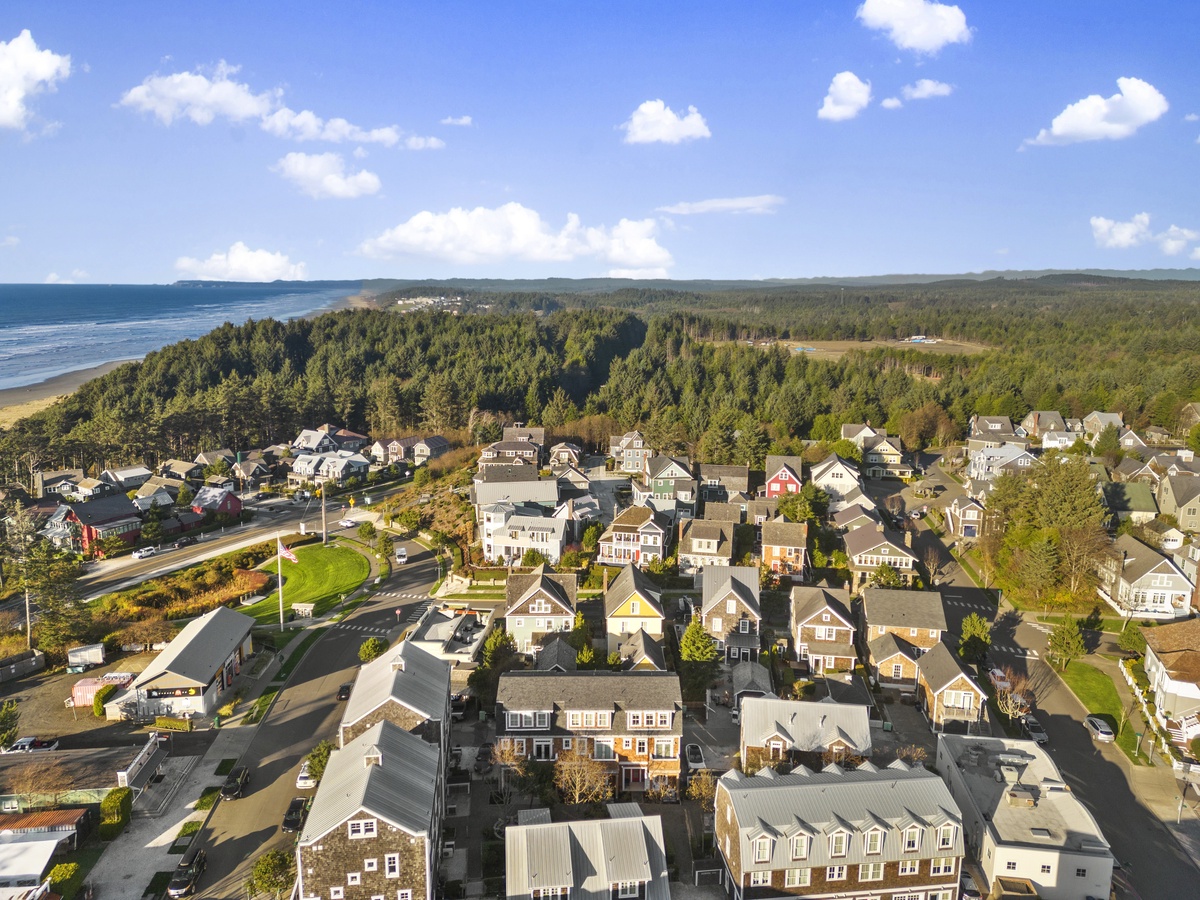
{"x":887,"y":726}
{"x":483,"y":715}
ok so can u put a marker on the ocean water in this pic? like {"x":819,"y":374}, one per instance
{"x":51,"y":329}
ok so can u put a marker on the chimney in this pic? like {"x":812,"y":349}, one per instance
{"x":908,"y":539}
{"x":879,"y":528}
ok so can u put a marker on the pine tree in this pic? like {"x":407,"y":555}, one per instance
{"x":697,"y":645}
{"x":1066,"y":641}
{"x":1037,"y":569}
{"x":976,"y":638}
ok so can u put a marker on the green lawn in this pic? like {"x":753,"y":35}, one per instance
{"x":1097,"y":692}
{"x":1109,"y":624}
{"x":322,"y":576}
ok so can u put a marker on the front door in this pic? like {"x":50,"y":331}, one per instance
{"x":635,"y":779}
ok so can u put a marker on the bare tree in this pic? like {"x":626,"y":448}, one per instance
{"x":580,"y":778}
{"x":987,"y":548}
{"x":1080,"y":550}
{"x":913,"y":754}
{"x":42,"y":782}
{"x":513,"y":767}
{"x":932,"y":559}
{"x":1013,"y":699}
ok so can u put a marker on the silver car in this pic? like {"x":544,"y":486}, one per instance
{"x":1101,"y":731}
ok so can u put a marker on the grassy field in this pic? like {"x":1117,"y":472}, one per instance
{"x":1098,"y":694}
{"x":322,"y":576}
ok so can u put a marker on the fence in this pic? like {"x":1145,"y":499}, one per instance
{"x":22,"y":664}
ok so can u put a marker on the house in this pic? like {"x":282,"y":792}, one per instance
{"x":510,"y":452}
{"x":386,"y":451}
{"x":839,"y":479}
{"x":989,"y":463}
{"x":1095,"y":422}
{"x":406,"y":687}
{"x":335,"y":467}
{"x":785,"y":548}
{"x":590,"y":859}
{"x":855,"y":833}
{"x":1020,"y":819}
{"x":632,"y":603}
{"x":1129,"y":440}
{"x":91,"y":488}
{"x":783,"y":475}
{"x":856,"y":517}
{"x":252,"y":471}
{"x":870,"y":548}
{"x":157,"y":497}
{"x":566,"y":454}
{"x":1128,"y":500}
{"x":760,"y":511}
{"x":883,"y":457}
{"x":1038,"y":422}
{"x":1059,"y":440}
{"x":127,"y":478}
{"x":642,"y":652}
{"x":429,"y":448}
{"x":556,"y":655}
{"x":508,"y":532}
{"x":223,"y":457}
{"x":1157,"y":435}
{"x":749,"y":679}
{"x":216,"y":501}
{"x":56,"y":481}
{"x":537,"y":605}
{"x":669,"y":479}
{"x":631,"y":721}
{"x":988,"y":432}
{"x":375,"y":825}
{"x":1164,"y":536}
{"x":897,"y":627}
{"x":571,"y":478}
{"x":822,"y":630}
{"x":1179,"y":496}
{"x":638,"y":535}
{"x":702,"y":544}
{"x":946,"y":694}
{"x":730,"y":611}
{"x":721,"y":484}
{"x":519,"y":431}
{"x":453,"y":633}
{"x":965,"y":518}
{"x":630,"y":452}
{"x":192,"y":675}
{"x":859,"y":434}
{"x":797,"y":732}
{"x":733,"y":513}
{"x":520,"y":485}
{"x":82,"y":526}
{"x":345,"y":439}
{"x":1137,"y":580}
{"x":1172,"y":665}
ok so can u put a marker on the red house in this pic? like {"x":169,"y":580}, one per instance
{"x":81,"y":526}
{"x":783,"y":475}
{"x":216,"y":500}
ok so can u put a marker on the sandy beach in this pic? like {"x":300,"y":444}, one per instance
{"x":18,"y":402}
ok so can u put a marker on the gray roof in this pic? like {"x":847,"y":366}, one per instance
{"x":514,"y":488}
{"x":940,"y":666}
{"x":733,"y":478}
{"x":405,"y":674}
{"x":401,"y":788}
{"x":904,"y":609}
{"x":717,"y":581}
{"x":809,"y":727}
{"x":587,"y":857}
{"x":854,"y":800}
{"x":751,"y":676}
{"x":806,"y":601}
{"x":556,"y":653}
{"x":656,"y":465}
{"x":765,"y":507}
{"x":200,"y":649}
{"x":702,"y":530}
{"x":561,"y":588}
{"x":860,"y":540}
{"x":1183,"y":487}
{"x":103,"y":509}
{"x":844,"y":517}
{"x":775,"y":463}
{"x":592,"y":689}
{"x":888,"y":645}
{"x":632,"y":580}
{"x":785,"y":534}
{"x":640,"y":647}
{"x":209,"y":497}
{"x":1139,"y":559}
{"x":723,"y":512}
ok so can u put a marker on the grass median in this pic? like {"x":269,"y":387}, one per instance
{"x":1099,"y":696}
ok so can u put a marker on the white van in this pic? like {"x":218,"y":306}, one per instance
{"x":401,"y":556}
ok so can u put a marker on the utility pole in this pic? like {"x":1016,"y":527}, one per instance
{"x":324,"y":526}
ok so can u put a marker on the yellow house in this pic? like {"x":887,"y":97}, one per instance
{"x":632,"y":603}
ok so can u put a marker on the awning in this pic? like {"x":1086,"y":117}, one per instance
{"x":139,"y":781}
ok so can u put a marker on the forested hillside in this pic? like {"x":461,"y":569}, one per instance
{"x":667,"y":360}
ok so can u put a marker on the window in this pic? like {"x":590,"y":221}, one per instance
{"x":942,"y":866}
{"x":543,"y":720}
{"x":574,"y":720}
{"x":835,"y":873}
{"x":1010,"y":866}
{"x":404,"y":895}
{"x":626,"y":743}
{"x":744,"y":626}
{"x":945,"y":837}
{"x":1081,"y":873}
{"x":837,"y":843}
{"x":716,"y":623}
{"x":634,"y":608}
{"x":539,"y":606}
{"x":337,"y":893}
{"x":602,"y":749}
{"x":353,"y":878}
{"x":933,"y":633}
{"x":912,"y":632}
{"x":759,"y":879}
{"x":1045,"y":869}
{"x":363,"y":828}
{"x":897,"y":670}
{"x":664,"y":748}
{"x":641,"y":747}
{"x":635,"y":720}
{"x":797,"y":878}
{"x":391,"y":865}
{"x":762,"y":850}
{"x":909,"y":867}
{"x":566,"y":743}
{"x":518,"y":623}
{"x":370,"y":865}
{"x":870,"y":872}
{"x":800,"y":847}
{"x":874,"y":841}
{"x":627,"y":889}
{"x":664,"y":720}
{"x":912,"y":839}
{"x":731,"y":607}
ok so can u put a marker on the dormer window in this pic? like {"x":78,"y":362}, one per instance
{"x":762,"y":850}
{"x":873,"y":841}
{"x":912,"y":839}
{"x":837,"y":843}
{"x":800,"y":846}
{"x":946,"y":837}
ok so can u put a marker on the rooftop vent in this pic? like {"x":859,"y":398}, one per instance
{"x":1009,"y":774}
{"x":1021,"y":797}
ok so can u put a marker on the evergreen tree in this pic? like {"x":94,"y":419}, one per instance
{"x":1037,"y":568}
{"x":1066,"y":495}
{"x":1066,"y":642}
{"x":976,"y":638}
{"x":697,"y":645}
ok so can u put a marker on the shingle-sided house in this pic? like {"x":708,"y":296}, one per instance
{"x":822,"y":630}
{"x":848,"y":833}
{"x":795,"y":731}
{"x":405,"y":686}
{"x":592,"y":859}
{"x":1095,"y":422}
{"x":722,"y":484}
{"x":785,"y":548}
{"x":1179,"y":496}
{"x":1131,"y":440}
{"x":897,"y":627}
{"x":784,"y":475}
{"x":566,"y":454}
{"x":989,"y":463}
{"x":1039,"y":422}
{"x":537,"y":605}
{"x":632,"y":603}
{"x":638,"y":535}
{"x":1137,"y":580}
{"x":669,"y":479}
{"x":989,"y":431}
{"x":1173,"y":669}
{"x":375,"y":825}
{"x":702,"y":544}
{"x":181,"y":469}
{"x":642,"y":652}
{"x":857,"y":517}
{"x":510,"y":451}
{"x":345,"y":438}
{"x":965,"y":518}
{"x":870,"y":548}
{"x":312,"y":440}
{"x":630,"y":451}
{"x":946,"y":693}
{"x":429,"y":448}
{"x":883,"y":457}
{"x":631,"y":721}
{"x":730,"y":610}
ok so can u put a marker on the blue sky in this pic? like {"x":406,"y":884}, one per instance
{"x":151,"y":142}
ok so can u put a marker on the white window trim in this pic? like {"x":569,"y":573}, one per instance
{"x":391,"y":865}
{"x":365,"y":828}
{"x":337,"y":893}
{"x":370,"y":865}
{"x":354,"y":879}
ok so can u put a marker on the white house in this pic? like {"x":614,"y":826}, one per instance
{"x":1139,"y":581}
{"x":1173,"y":670}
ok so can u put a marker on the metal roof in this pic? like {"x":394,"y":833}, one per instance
{"x":407,"y":675}
{"x":385,"y":772}
{"x":810,"y":727}
{"x":195,"y":654}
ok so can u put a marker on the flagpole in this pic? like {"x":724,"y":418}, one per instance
{"x":279,"y":565}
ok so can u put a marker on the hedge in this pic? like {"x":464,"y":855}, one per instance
{"x":101,"y":698}
{"x":65,"y":879}
{"x":115,"y":810}
{"x":170,"y":723}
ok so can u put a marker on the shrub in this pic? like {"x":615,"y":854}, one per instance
{"x":102,"y":696}
{"x":372,"y":648}
{"x":115,"y":809}
{"x":64,"y":878}
{"x":170,"y":723}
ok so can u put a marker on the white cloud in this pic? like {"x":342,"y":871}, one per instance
{"x":195,"y":96}
{"x":457,"y":120}
{"x":25,"y":71}
{"x":324,"y":175}
{"x":763,"y":203}
{"x":1195,"y":254}
{"x":1191,"y":117}
{"x":415,"y":142}
{"x":919,"y":25}
{"x":1096,"y":118}
{"x":926,"y":88}
{"x":515,"y":232}
{"x":9,"y":241}
{"x":655,"y":122}
{"x":891,"y":103}
{"x":848,"y":96}
{"x":240,"y":263}
{"x":78,"y":273}
{"x":360,"y":153}
{"x":308,"y":126}
{"x":1113,"y":235}
{"x":55,"y":278}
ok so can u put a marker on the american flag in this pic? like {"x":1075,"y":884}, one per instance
{"x":285,"y":552}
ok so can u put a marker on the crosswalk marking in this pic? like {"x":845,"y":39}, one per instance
{"x":365,"y":629}
{"x":1015,"y":651}
{"x":403,"y":594}
{"x":1044,"y":629}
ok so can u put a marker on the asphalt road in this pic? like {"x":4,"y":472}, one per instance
{"x":305,"y":713}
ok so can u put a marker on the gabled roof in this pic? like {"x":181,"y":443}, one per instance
{"x":669,"y":467}
{"x":795,"y":464}
{"x":590,"y":689}
{"x":1139,"y":559}
{"x":704,"y":530}
{"x":718,"y":581}
{"x":751,"y":676}
{"x":831,"y":462}
{"x":560,"y":589}
{"x":940,"y":667}
{"x":406,"y":674}
{"x":809,"y":727}
{"x":556,"y":654}
{"x":400,"y":786}
{"x":808,"y":601}
{"x":785,"y":534}
{"x":904,"y":609}
{"x":103,"y":509}
{"x":210,"y":497}
{"x":723,"y":512}
{"x":637,"y":518}
{"x":641,"y":647}
{"x":630,"y":581}
{"x":199,"y":649}
{"x":866,"y":538}
{"x":888,"y":645}
{"x":1129,"y":496}
{"x":1183,"y":488}
{"x":844,"y":517}
{"x":733,"y":478}
{"x":433,"y":442}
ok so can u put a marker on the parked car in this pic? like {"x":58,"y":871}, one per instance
{"x":1100,"y":729}
{"x":401,"y":556}
{"x":998,"y":679}
{"x":1034,"y":729}
{"x":31,"y":745}
{"x":483,"y":759}
{"x":458,"y":707}
{"x":144,"y":552}
{"x":187,"y":873}
{"x":297,"y":812}
{"x":970,"y":890}
{"x":344,"y":690}
{"x":235,"y":783}
{"x":346,"y":523}
{"x":262,"y":495}
{"x":304,"y":779}
{"x":695,"y":756}
{"x":186,"y":541}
